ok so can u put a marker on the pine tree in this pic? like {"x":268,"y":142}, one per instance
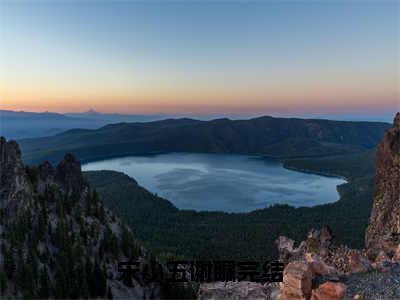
{"x":49,"y":229}
{"x":95,"y":197}
{"x":78,"y":215}
{"x":42,"y":222}
{"x":84,"y":287}
{"x":90,"y":281}
{"x":88,"y":203}
{"x":9,"y":262}
{"x":126,"y":241}
{"x":32,"y":261}
{"x":25,"y":279}
{"x":61,"y":287}
{"x":109,"y":293}
{"x":101,"y":214}
{"x":2,"y":215}
{"x":60,"y":208}
{"x":44,"y":291}
{"x":98,"y":281}
{"x":3,"y":282}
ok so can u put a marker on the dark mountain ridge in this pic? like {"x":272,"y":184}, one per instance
{"x":30,"y":115}
{"x":269,"y":136}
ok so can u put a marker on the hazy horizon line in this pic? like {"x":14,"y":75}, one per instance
{"x":340,"y":116}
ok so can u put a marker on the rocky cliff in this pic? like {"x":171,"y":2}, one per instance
{"x":56,"y":237}
{"x":383,"y":232}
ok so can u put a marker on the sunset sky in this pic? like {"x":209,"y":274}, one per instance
{"x":228,"y":57}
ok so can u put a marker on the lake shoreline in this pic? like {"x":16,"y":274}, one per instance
{"x":321,"y":173}
{"x":261,"y":157}
{"x":226,"y":182}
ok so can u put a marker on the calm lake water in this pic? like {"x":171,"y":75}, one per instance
{"x":231,"y":183}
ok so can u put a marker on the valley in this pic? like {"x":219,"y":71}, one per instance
{"x":333,"y":148}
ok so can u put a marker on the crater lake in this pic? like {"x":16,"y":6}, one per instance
{"x":221,"y":182}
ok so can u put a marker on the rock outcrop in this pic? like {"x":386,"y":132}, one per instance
{"x":297,"y":281}
{"x":15,"y":187}
{"x":69,"y":174}
{"x":383,"y":232}
{"x":45,"y":176}
{"x":287,"y":251}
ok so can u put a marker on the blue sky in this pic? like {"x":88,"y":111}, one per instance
{"x":201,"y":57}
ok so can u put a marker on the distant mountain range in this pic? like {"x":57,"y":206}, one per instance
{"x":30,"y":115}
{"x":114,"y":117}
{"x":275,"y":137}
{"x":21,"y":124}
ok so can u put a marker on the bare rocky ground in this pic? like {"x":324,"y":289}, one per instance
{"x":374,"y":285}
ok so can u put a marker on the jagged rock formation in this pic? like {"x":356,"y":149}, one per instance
{"x":320,"y":251}
{"x":56,"y":237}
{"x":68,"y":174}
{"x":14,"y":186}
{"x":383,"y":232}
{"x":287,"y":251}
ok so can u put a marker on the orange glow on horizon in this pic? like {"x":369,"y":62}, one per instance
{"x":197,"y":100}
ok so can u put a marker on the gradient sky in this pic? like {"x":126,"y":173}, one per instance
{"x":201,"y":57}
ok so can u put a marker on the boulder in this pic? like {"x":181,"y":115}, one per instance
{"x":297,"y":281}
{"x":329,"y":291}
